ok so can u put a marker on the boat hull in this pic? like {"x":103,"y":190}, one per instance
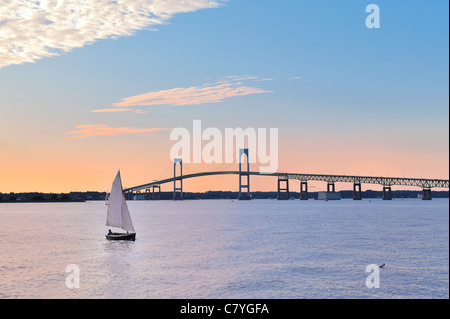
{"x":121,"y":236}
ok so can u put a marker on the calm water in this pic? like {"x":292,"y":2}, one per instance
{"x":228,"y":249}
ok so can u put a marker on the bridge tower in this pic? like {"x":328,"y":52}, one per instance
{"x":331,"y":187}
{"x":357,"y":195}
{"x":175,"y":188}
{"x":387,"y":194}
{"x":426,"y":193}
{"x":284,"y":179}
{"x":153,"y":190}
{"x":242,"y":196}
{"x":303,"y":190}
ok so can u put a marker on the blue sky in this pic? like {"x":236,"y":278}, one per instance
{"x":324,"y":74}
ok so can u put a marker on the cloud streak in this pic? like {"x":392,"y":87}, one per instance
{"x":209,"y":93}
{"x":111,"y":110}
{"x":32,"y":30}
{"x":104,"y":130}
{"x":218,"y":91}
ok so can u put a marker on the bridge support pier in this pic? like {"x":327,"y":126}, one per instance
{"x":153,"y":190}
{"x":303,"y":190}
{"x":387,"y":193}
{"x":175,"y":188}
{"x":331,"y":187}
{"x":286,"y":189}
{"x":426,"y":194}
{"x":357,"y":194}
{"x":242,"y":195}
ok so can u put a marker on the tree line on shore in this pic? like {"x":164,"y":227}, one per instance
{"x":93,"y":195}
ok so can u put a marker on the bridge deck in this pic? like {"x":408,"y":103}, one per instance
{"x":385,"y":181}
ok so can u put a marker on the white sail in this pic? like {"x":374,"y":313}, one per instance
{"x":118,"y":214}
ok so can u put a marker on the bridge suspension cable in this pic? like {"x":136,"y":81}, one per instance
{"x":164,"y":172}
{"x":228,"y":162}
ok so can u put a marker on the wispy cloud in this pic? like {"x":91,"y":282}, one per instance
{"x":116,"y":110}
{"x":218,"y":91}
{"x":104,"y":130}
{"x":31,"y":30}
{"x":208,"y":93}
{"x":264,"y":80}
{"x":140,"y":112}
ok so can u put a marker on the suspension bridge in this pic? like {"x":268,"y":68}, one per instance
{"x":283,"y":182}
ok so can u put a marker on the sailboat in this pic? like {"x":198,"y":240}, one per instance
{"x":118,"y":214}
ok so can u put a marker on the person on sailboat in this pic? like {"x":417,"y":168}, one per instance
{"x":109,"y":232}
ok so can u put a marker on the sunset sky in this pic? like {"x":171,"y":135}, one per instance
{"x":89,"y":87}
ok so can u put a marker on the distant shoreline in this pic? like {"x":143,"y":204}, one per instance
{"x":45,"y":201}
{"x":101,"y":196}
